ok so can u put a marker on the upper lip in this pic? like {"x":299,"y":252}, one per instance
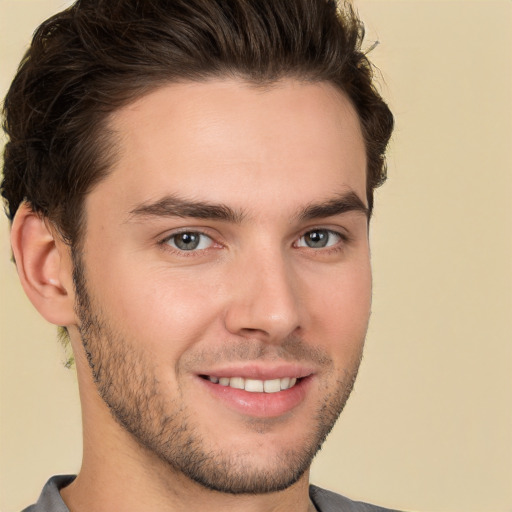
{"x":260,"y":372}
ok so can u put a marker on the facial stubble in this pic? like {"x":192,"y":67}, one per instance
{"x":126,"y":381}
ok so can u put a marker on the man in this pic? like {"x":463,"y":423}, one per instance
{"x":190,"y":185}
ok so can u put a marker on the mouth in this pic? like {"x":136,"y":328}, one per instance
{"x":254,"y":385}
{"x":257,"y":391}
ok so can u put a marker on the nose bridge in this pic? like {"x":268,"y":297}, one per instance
{"x":264,"y":300}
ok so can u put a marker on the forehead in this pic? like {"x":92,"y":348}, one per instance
{"x":230,"y":142}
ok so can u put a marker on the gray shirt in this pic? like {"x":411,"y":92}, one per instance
{"x":324,"y":501}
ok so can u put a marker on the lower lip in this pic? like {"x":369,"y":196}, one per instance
{"x":260,"y":405}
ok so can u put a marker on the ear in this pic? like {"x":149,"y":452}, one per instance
{"x":44,"y":266}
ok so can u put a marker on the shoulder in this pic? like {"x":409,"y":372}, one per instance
{"x":328,"y":501}
{"x":50,"y":499}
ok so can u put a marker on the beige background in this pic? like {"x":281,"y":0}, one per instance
{"x":429,"y":426}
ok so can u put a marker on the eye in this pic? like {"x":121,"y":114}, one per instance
{"x":319,"y":238}
{"x":189,"y":241}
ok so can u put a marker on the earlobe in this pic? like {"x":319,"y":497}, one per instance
{"x":44,"y":266}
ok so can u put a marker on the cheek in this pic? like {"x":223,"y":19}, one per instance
{"x":342,"y":311}
{"x":161,"y":306}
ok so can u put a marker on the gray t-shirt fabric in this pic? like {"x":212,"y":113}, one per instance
{"x":324,"y":501}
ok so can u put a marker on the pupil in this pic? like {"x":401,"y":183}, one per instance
{"x":187,"y":241}
{"x":317,"y":238}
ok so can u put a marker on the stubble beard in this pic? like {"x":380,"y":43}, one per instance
{"x":126,"y":382}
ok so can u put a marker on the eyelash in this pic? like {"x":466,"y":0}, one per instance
{"x":338,"y":245}
{"x":164,"y":243}
{"x":344,"y":239}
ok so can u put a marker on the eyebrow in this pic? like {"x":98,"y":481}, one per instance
{"x":173,"y":206}
{"x":343,"y":203}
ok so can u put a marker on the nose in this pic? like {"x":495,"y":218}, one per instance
{"x":264,"y":300}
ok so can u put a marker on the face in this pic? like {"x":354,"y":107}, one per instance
{"x":224,"y":281}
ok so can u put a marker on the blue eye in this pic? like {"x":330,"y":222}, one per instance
{"x":189,"y":241}
{"x":319,"y":238}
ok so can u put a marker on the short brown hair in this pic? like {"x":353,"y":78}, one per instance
{"x":98,"y":55}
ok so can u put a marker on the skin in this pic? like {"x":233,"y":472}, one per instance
{"x":254,"y":297}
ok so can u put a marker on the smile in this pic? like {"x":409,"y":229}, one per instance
{"x":254,"y":385}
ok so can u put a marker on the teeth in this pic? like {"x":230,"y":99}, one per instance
{"x":254,"y":385}
{"x":272,"y":386}
{"x":236,"y":382}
